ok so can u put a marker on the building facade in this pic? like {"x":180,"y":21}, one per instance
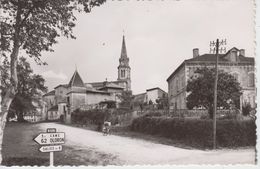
{"x":150,"y":96}
{"x":233,"y":62}
{"x":153,"y":94}
{"x":65,"y":98}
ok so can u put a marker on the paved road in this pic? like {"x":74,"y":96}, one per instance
{"x":132,"y":151}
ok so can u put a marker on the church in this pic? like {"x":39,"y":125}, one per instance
{"x":65,"y":98}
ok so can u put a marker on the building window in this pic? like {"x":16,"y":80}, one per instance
{"x":122,"y":73}
{"x":68,"y":100}
{"x":251,"y":79}
{"x":177,"y":84}
{"x":64,"y":109}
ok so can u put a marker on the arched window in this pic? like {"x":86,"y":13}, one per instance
{"x":251,"y":79}
{"x":122,"y":73}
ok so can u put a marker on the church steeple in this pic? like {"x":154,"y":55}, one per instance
{"x":124,"y":68}
{"x":123,"y":50}
{"x":123,"y":60}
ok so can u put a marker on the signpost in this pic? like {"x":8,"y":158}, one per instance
{"x":52,"y":141}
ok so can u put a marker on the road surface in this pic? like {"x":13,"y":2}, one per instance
{"x":130,"y":151}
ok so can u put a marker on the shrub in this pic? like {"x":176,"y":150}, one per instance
{"x":198,"y":132}
{"x":153,"y":114}
{"x":246,"y":109}
{"x":98,"y":116}
{"x":89,"y":116}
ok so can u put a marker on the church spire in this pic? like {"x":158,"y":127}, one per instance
{"x":123,"y":50}
{"x":124,"y":69}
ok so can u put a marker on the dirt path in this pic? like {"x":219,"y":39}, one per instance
{"x":136,"y":151}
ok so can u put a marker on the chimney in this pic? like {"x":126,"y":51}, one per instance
{"x":242,"y":52}
{"x":195,"y":52}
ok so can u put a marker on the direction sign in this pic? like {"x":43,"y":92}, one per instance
{"x":50,"y":138}
{"x":47,"y":149}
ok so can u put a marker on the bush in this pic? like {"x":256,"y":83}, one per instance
{"x":198,"y":132}
{"x":98,"y":116}
{"x":246,"y":109}
{"x":89,"y":116}
{"x":153,"y":114}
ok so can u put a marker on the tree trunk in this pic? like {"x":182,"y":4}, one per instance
{"x":211,"y":109}
{"x":20,"y":117}
{"x":7,"y":100}
{"x":11,"y":91}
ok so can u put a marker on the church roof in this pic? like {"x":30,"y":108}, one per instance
{"x":123,"y":50}
{"x":76,"y":80}
{"x":96,"y":84}
{"x":112,"y":85}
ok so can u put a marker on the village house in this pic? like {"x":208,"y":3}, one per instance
{"x":234,"y":62}
{"x":149,"y":97}
{"x":65,"y":98}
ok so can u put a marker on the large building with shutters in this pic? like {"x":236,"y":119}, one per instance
{"x":234,"y":62}
{"x":65,"y":98}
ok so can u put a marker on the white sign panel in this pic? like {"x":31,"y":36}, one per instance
{"x":46,"y":149}
{"x":50,"y":138}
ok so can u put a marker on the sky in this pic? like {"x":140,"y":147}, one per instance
{"x":159,"y":34}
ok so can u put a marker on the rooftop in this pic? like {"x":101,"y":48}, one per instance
{"x":211,"y":58}
{"x":76,"y":80}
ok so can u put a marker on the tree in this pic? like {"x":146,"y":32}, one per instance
{"x":126,"y":99}
{"x":33,"y":26}
{"x":201,"y":90}
{"x":29,"y":90}
{"x":162,"y":102}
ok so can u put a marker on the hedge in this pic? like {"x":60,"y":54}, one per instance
{"x":198,"y":132}
{"x":98,"y":116}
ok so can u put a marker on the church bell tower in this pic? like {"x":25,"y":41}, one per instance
{"x":124,"y":68}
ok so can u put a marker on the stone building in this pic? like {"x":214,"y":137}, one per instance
{"x":151,"y":95}
{"x":234,"y":62}
{"x":65,"y":98}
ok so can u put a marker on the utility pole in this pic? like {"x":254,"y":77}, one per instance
{"x":216,"y":49}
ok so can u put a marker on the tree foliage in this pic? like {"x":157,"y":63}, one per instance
{"x":29,"y":91}
{"x":126,"y":99}
{"x":162,"y":102}
{"x":34,"y":25}
{"x":201,"y":90}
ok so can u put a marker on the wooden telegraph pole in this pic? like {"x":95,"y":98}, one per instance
{"x":215,"y":49}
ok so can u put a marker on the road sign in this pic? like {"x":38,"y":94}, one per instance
{"x":47,"y":149}
{"x":50,"y":138}
{"x":51,"y":130}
